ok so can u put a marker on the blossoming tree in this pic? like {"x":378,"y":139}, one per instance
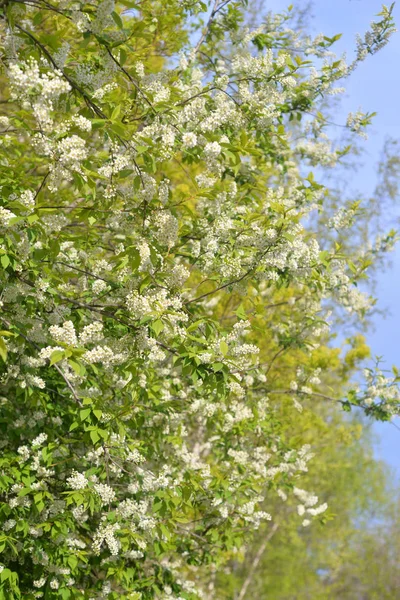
{"x":157,"y":264}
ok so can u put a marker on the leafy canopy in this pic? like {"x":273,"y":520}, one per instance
{"x":156,"y":271}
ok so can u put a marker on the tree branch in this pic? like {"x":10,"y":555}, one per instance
{"x":133,"y":82}
{"x":218,"y":5}
{"x":256,"y":562}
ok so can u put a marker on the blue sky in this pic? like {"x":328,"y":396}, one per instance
{"x":373,"y":87}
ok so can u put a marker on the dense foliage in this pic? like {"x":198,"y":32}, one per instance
{"x":166,"y":302}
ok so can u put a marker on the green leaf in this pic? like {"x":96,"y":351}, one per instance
{"x":157,"y":326}
{"x":94,"y":436}
{"x":5,"y":574}
{"x":224,"y":348}
{"x":117,"y":20}
{"x":122,"y":56}
{"x":77,"y":367}
{"x":241,"y":313}
{"x":84,"y":413}
{"x":116,"y":112}
{"x":5,"y":261}
{"x":56,"y":356}
{"x":3,"y":349}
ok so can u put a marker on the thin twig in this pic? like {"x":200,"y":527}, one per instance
{"x":133,"y":82}
{"x":256,"y":562}
{"x":218,"y":5}
{"x":299,"y":392}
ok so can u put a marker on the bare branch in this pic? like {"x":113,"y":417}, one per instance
{"x":256,"y":561}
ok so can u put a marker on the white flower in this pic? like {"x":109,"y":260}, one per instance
{"x":166,"y":231}
{"x":5,"y":216}
{"x":24,"y":452}
{"x":105,"y":533}
{"x":91,"y":333}
{"x":138,"y":306}
{"x":65,"y":334}
{"x":189,"y":140}
{"x":99,"y":286}
{"x":54,"y":584}
{"x":105,"y":492}
{"x":77,"y":481}
{"x":7,"y":525}
{"x":27,"y":198}
{"x":212,"y":150}
{"x":82,"y":123}
{"x":39,"y":440}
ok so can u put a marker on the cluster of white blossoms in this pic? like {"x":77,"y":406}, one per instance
{"x":105,"y":355}
{"x":343,"y":218}
{"x":381,"y":392}
{"x":27,"y":198}
{"x":77,"y":481}
{"x":166,"y":228}
{"x":308,"y":501}
{"x":356,"y":121}
{"x":5,"y":216}
{"x":138,"y":306}
{"x":189,"y":139}
{"x":377,"y":37}
{"x":91,"y":333}
{"x":38,"y":89}
{"x":106,"y":493}
{"x":82,"y":123}
{"x":4,"y":122}
{"x":66,"y":333}
{"x":106,"y":534}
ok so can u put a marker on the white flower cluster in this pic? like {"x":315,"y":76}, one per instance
{"x":166,"y":231}
{"x":356,"y":121}
{"x":343,"y":218}
{"x":4,"y":122}
{"x":189,"y":139}
{"x":138,"y":306}
{"x":5,"y":216}
{"x":27,"y":198}
{"x":65,"y":334}
{"x":381,"y":391}
{"x":377,"y":37}
{"x":82,"y":123}
{"x":41,"y":90}
{"x":106,"y":533}
{"x":308,"y":501}
{"x":106,"y":493}
{"x":91,"y":333}
{"x":77,"y":481}
{"x":104,"y":355}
